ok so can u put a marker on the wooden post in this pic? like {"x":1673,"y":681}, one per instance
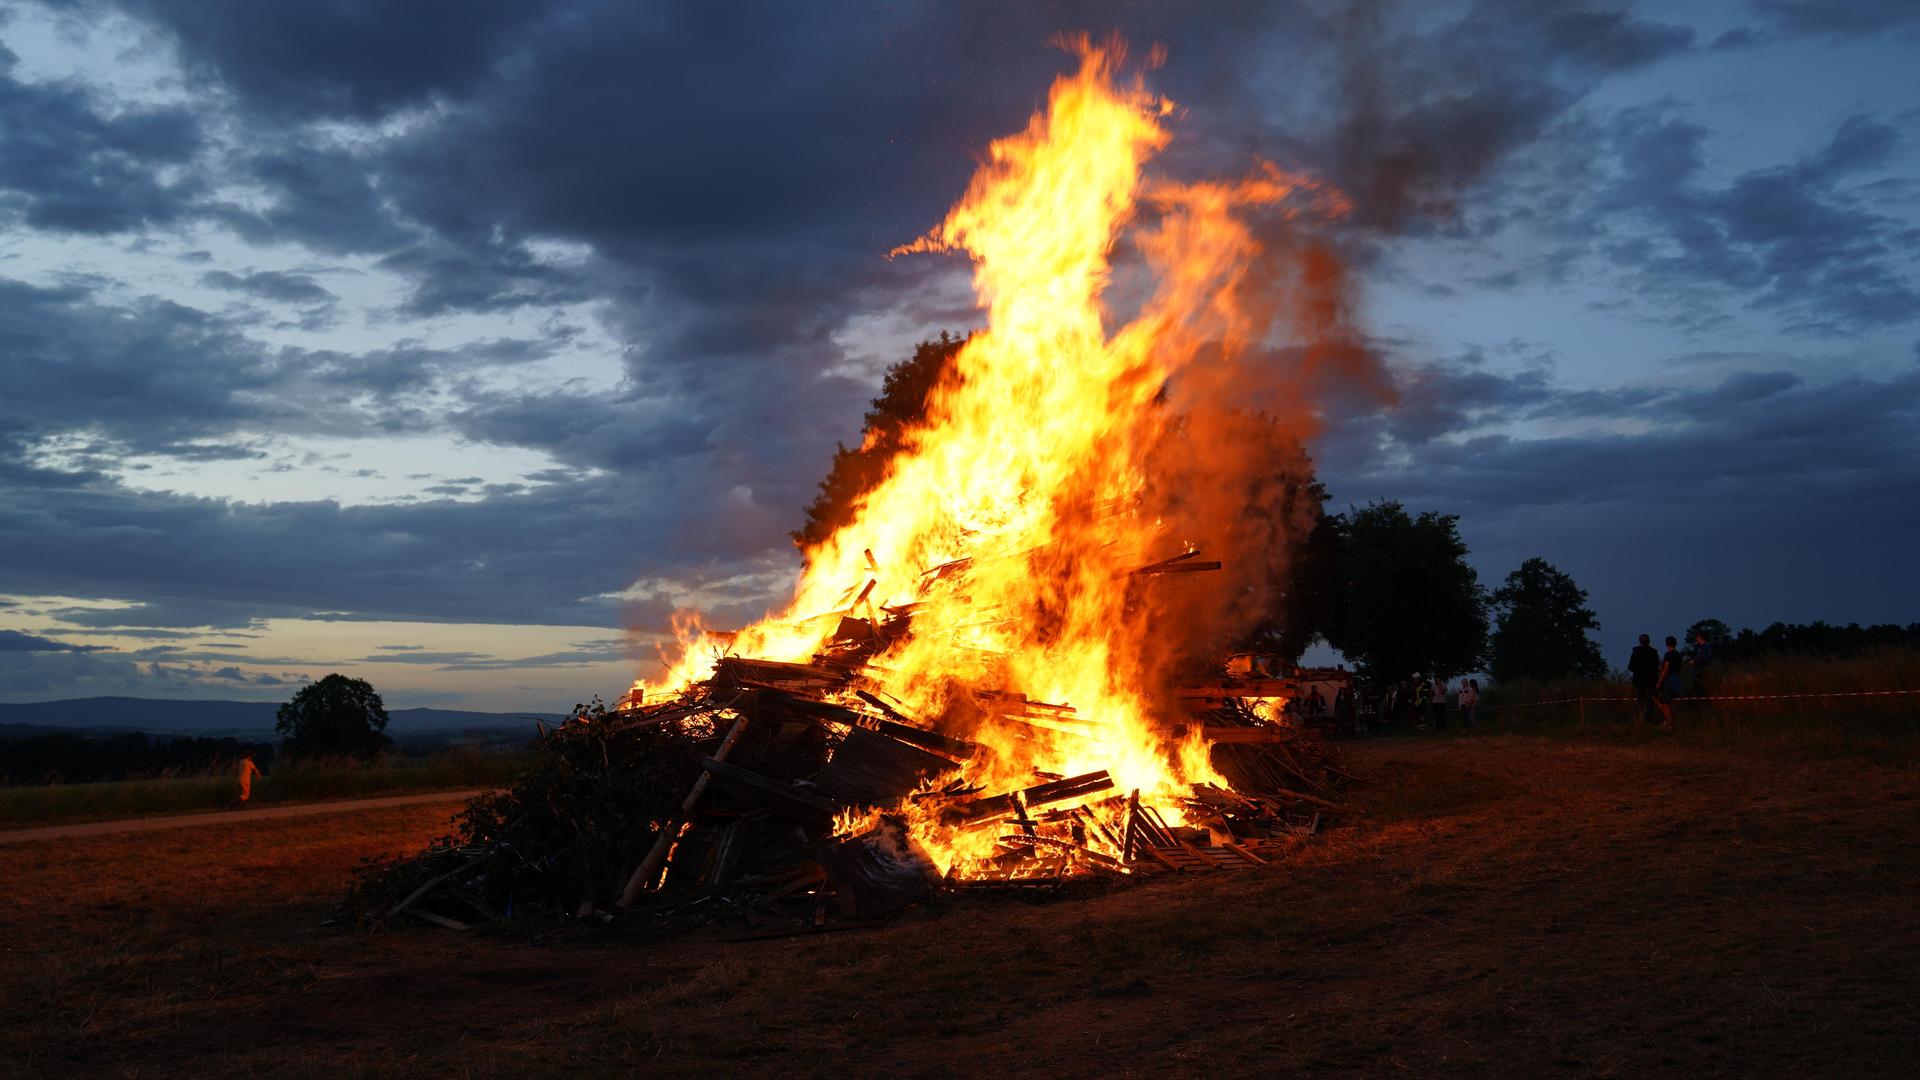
{"x":649,"y":866}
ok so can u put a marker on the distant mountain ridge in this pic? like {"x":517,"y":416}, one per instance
{"x":161,"y":715}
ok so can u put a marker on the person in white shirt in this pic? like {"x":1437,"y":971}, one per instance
{"x":1470,"y":704}
{"x":1439,"y":703}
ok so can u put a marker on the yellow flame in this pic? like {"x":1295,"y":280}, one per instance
{"x":1036,"y":462}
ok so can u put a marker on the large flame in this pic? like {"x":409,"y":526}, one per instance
{"x":1063,"y":453}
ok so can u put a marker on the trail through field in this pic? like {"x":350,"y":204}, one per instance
{"x":230,"y":817}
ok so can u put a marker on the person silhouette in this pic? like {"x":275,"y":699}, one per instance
{"x":248,"y":770}
{"x":1644,"y":665}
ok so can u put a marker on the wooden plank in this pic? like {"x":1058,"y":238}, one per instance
{"x":1055,"y":791}
{"x":811,"y":877}
{"x":1177,"y":568}
{"x":779,"y":789}
{"x":1093,"y":822}
{"x":1161,"y":857}
{"x":775,"y":671}
{"x":473,"y":900}
{"x":1303,"y":797}
{"x":438,"y":920}
{"x":898,"y":725}
{"x":1183,"y":563}
{"x":657,"y":854}
{"x":869,"y":768}
{"x":1244,"y":853}
{"x":1242,"y":736}
{"x":435,"y":880}
{"x":1015,"y":702}
{"x":1248,"y":688}
{"x":1103,"y":860}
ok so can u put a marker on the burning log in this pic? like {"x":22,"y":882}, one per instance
{"x":999,"y":806}
{"x":1179,"y":564}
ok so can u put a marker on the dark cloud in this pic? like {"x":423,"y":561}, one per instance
{"x":1754,"y":438}
{"x":324,"y":197}
{"x":67,"y":165}
{"x":421,"y":655}
{"x":1425,"y":117}
{"x":1837,"y":18}
{"x":277,"y":285}
{"x":155,"y":373}
{"x":42,"y":675}
{"x":1790,"y":240}
{"x":16,"y":641}
{"x":344,"y":57}
{"x":553,"y":554}
{"x":720,"y":182}
{"x":582,"y":654}
{"x":1763,"y":496}
{"x":566,"y":658}
{"x":1739,"y":37}
{"x":157,"y":377}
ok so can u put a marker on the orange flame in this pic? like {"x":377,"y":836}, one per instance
{"x":1065,"y":453}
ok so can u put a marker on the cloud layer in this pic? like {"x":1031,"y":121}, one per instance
{"x":636,"y":249}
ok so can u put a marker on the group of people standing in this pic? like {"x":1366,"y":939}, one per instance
{"x":1421,"y":702}
{"x":1660,"y":679}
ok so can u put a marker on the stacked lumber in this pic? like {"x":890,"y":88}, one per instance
{"x":787,"y":798}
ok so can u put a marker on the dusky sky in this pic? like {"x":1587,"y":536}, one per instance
{"x":442,"y":342}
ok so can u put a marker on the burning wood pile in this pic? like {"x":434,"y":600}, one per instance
{"x":976,"y":685}
{"x":815,"y":803}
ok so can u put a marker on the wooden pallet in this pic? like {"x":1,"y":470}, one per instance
{"x":1192,"y":859}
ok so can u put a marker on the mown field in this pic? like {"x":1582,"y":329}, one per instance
{"x":1785,"y":697}
{"x":24,"y":805}
{"x":1498,"y":906}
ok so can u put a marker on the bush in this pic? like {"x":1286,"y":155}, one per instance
{"x":587,"y":806}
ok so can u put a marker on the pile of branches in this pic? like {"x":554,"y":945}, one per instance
{"x":562,"y":840}
{"x":763,"y":797}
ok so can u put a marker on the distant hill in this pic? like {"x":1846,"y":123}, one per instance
{"x":227,"y":717}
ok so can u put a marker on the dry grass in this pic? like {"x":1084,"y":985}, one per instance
{"x":312,"y":781}
{"x":1507,"y":907}
{"x":1818,"y":722}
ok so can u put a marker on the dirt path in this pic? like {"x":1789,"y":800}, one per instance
{"x":178,"y":821}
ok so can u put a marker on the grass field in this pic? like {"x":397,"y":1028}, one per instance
{"x":46,"y":804}
{"x":1775,"y":694}
{"x":1505,"y":906}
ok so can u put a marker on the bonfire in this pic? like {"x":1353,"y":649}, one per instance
{"x":984,"y":678}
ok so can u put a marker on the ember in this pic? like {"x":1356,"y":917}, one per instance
{"x":976,"y":684}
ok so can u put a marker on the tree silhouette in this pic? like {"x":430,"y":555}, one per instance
{"x":336,"y":715}
{"x":1718,"y":633}
{"x":1401,"y":598}
{"x":1541,"y":627}
{"x":902,"y":403}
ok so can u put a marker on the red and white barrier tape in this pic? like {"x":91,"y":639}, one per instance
{"x":1724,"y":697}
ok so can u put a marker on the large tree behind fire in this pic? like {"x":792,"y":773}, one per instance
{"x":1394,"y":593}
{"x":336,"y":715}
{"x":1541,"y":627}
{"x":902,"y":402}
